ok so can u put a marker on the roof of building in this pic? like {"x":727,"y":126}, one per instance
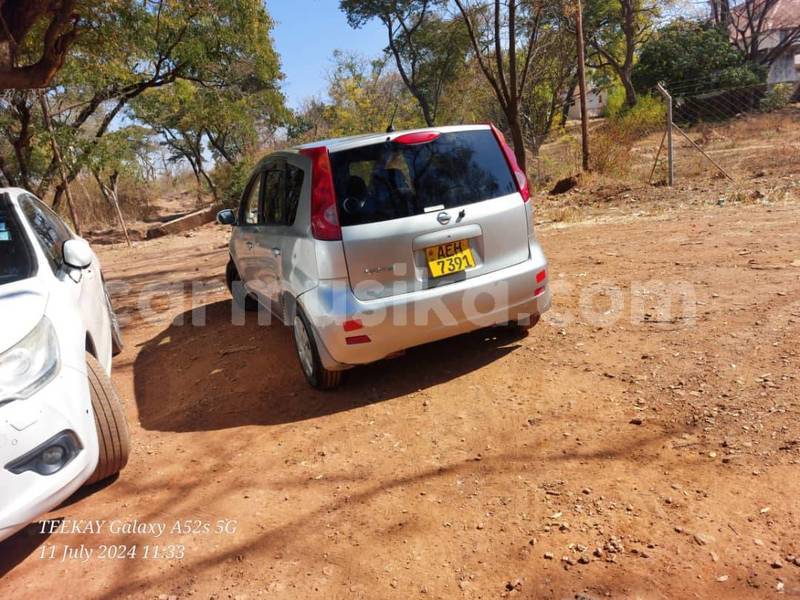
{"x":781,"y":14}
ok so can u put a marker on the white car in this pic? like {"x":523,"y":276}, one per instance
{"x":61,"y":423}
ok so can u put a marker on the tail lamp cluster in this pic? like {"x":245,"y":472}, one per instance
{"x":324,"y":218}
{"x":519,"y":173}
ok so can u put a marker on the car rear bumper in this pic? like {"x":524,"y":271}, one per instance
{"x":62,"y":405}
{"x":403,"y":321}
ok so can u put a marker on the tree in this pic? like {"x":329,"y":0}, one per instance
{"x":176,"y":115}
{"x":505,"y":39}
{"x":225,"y":115}
{"x":363,"y":96}
{"x":553,"y":73}
{"x":129,"y":47}
{"x":749,"y":23}
{"x":427,"y":48}
{"x":691,"y":51}
{"x":615,"y":30}
{"x":38,"y":34}
{"x":122,"y":153}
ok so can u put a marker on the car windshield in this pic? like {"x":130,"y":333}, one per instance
{"x":16,"y":257}
{"x":387,"y":181}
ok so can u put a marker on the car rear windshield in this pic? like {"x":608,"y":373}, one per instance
{"x":16,"y":257}
{"x":387,"y":181}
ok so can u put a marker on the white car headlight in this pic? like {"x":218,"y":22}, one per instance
{"x":30,"y":364}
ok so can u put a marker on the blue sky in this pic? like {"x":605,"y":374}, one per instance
{"x":306,"y":33}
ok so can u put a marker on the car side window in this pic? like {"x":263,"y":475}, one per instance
{"x":294,"y":185}
{"x":49,"y":230}
{"x":249,"y":214}
{"x":274,"y":197}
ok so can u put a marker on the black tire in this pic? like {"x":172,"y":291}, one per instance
{"x":112,"y":426}
{"x":236,"y":288}
{"x":116,"y":333}
{"x":528,"y":322}
{"x":317,"y":376}
{"x":523,"y":325}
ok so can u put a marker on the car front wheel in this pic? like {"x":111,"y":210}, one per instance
{"x":112,"y":426}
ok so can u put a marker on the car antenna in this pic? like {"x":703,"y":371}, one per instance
{"x":390,"y":128}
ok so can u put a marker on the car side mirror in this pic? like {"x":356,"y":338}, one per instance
{"x":77,"y":253}
{"x":226,"y":217}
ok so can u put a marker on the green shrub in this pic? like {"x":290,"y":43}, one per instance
{"x":232,"y":179}
{"x":648,"y":114}
{"x":777,"y":97}
{"x":615,"y":102}
{"x":612,"y":143}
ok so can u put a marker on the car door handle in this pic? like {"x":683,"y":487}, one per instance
{"x":249,"y":245}
{"x":276,"y":251}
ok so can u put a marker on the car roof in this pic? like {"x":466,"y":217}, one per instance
{"x":354,"y":141}
{"x":13,"y":192}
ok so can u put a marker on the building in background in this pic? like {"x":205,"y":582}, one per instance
{"x":596,"y":100}
{"x":780,"y":23}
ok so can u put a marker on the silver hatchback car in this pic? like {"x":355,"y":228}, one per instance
{"x":372,"y":244}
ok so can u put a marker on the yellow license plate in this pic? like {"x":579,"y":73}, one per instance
{"x":449,"y":258}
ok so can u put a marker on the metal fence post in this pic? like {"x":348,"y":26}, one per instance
{"x":668,"y":99}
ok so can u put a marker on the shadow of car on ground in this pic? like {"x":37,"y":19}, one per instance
{"x":220,"y":375}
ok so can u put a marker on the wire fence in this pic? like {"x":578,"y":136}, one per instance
{"x":622,"y":147}
{"x":733,"y":132}
{"x":717,"y":131}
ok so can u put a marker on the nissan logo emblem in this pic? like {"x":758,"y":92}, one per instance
{"x":443,"y":218}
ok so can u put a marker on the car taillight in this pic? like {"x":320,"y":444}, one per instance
{"x":519,"y":173}
{"x":324,"y":218}
{"x":418,"y":137}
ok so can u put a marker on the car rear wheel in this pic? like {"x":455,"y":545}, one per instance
{"x":112,"y":426}
{"x":308,"y":355}
{"x":236,"y":288}
{"x":527,"y":323}
{"x":522,"y":325}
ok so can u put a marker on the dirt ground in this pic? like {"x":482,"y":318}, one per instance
{"x":627,"y":447}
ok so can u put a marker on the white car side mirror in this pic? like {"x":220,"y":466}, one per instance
{"x":77,"y":253}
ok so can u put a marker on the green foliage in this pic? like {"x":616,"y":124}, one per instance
{"x":231,"y":106}
{"x":693,"y":52}
{"x":648,"y":115}
{"x":615,"y":31}
{"x":615,"y":101}
{"x":611,"y":145}
{"x":777,"y":97}
{"x":124,"y":151}
{"x":233,"y":178}
{"x":201,"y":74}
{"x":552,"y":72}
{"x":428,"y":48}
{"x":363,"y":97}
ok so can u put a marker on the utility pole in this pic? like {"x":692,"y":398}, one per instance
{"x":582,"y":85}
